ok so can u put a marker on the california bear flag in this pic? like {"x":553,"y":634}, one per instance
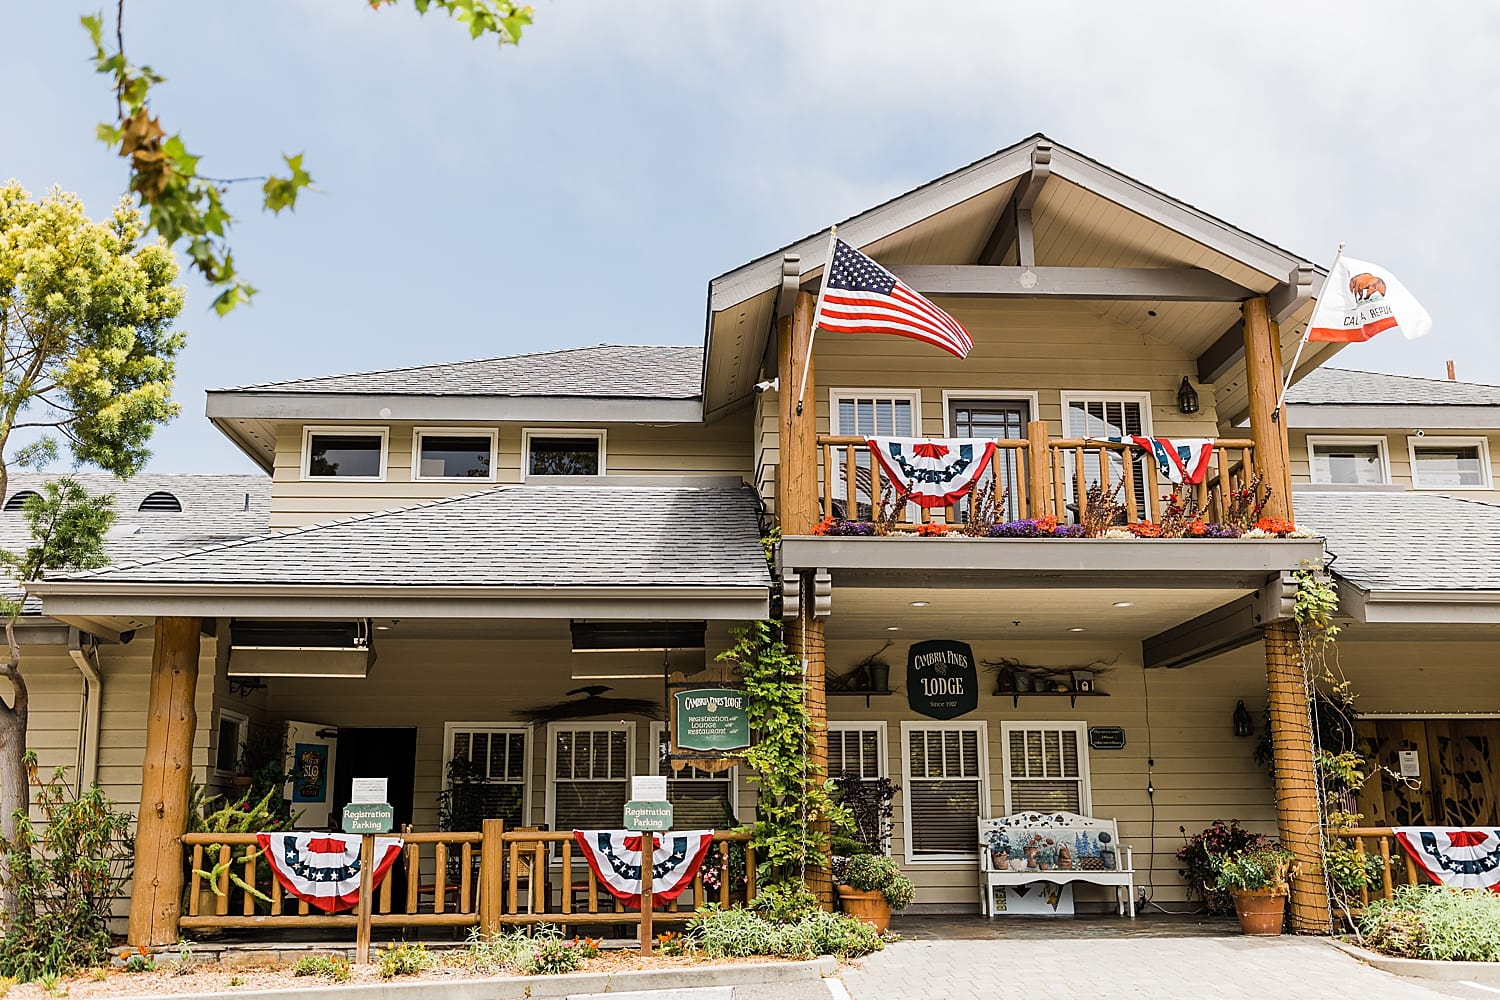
{"x":1361,"y":299}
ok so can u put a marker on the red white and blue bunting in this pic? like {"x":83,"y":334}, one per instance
{"x":615,"y":857}
{"x":322,"y":869}
{"x":934,"y":471}
{"x":1463,"y":859}
{"x":1180,"y":460}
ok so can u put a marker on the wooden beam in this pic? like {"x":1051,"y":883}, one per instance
{"x":166,"y":779}
{"x":1008,"y":231}
{"x":1120,"y":284}
{"x":1286,"y":299}
{"x":1223,"y":354}
{"x":786,"y":299}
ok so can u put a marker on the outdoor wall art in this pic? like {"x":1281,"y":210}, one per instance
{"x":942,"y":681}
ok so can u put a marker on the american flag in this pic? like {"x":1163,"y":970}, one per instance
{"x":860,"y":296}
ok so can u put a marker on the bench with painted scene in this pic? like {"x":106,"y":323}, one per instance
{"x":1060,"y":848}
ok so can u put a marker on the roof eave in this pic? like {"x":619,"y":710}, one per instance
{"x":243,"y":404}
{"x":1338,"y":416}
{"x":1419,"y":607}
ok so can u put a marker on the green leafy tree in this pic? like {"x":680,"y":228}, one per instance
{"x":87,"y":349}
{"x":186,"y":207}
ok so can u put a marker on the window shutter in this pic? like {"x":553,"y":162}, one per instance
{"x":1046,"y":770}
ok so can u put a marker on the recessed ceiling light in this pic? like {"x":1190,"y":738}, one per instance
{"x":1124,"y":604}
{"x":382,"y":628}
{"x":1077,"y":628}
{"x":919,"y":604}
{"x":893,"y":628}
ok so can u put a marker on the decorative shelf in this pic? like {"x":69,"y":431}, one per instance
{"x":855,"y":694}
{"x":1072,"y":696}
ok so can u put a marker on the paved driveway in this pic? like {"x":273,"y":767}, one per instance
{"x":1151,"y":969}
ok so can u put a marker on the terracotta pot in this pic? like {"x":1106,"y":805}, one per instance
{"x":868,"y":907}
{"x":1260,"y":911}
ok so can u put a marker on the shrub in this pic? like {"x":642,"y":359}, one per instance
{"x":1451,"y":925}
{"x":66,"y":872}
{"x":1267,"y":866}
{"x":1198,"y":866}
{"x":878,"y":873}
{"x":404,"y":959}
{"x":785,"y":902}
{"x":327,"y":966}
{"x":504,"y":952}
{"x":550,"y":955}
{"x":740,"y":933}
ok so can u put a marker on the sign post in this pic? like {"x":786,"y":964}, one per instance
{"x":647,"y":813}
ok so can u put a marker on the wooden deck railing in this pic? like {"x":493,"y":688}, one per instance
{"x":855,"y":488}
{"x":453,"y":879}
{"x":1396,"y":866}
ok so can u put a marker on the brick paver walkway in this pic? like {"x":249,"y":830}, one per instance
{"x":1150,"y":969}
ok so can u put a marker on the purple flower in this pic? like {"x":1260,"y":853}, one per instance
{"x":1068,"y":531}
{"x":1221,"y":531}
{"x":1025,"y":528}
{"x":852,"y":528}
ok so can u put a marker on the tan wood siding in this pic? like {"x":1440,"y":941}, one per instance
{"x":1398,"y":454}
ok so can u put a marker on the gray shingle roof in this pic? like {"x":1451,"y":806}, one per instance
{"x":508,"y":536}
{"x":1407,"y":541}
{"x":608,"y":370}
{"x":1344,"y":387}
{"x":215,"y":508}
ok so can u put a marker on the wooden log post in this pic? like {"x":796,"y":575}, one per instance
{"x":1038,"y":470}
{"x":1297,"y":812}
{"x":491,"y":875}
{"x":166,"y":779}
{"x":367,"y":898}
{"x":797,"y":511}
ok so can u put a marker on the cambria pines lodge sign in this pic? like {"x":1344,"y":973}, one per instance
{"x":711,"y":718}
{"x":941,"y":679}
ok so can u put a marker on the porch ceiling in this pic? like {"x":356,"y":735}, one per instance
{"x":988,"y":614}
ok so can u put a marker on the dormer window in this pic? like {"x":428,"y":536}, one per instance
{"x":18,"y":499}
{"x":161,"y":500}
{"x":339,"y":453}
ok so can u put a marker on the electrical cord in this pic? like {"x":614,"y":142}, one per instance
{"x":1148,"y":892}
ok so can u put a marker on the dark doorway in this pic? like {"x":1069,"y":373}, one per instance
{"x":994,"y":418}
{"x":376,"y":753}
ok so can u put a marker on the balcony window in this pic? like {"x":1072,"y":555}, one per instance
{"x":341,"y":454}
{"x":1348,"y":461}
{"x":1109,"y":415}
{"x":870,"y":413}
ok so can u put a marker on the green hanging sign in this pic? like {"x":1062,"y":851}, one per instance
{"x":711,"y":719}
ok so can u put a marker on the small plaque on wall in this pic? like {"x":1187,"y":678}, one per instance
{"x":1106,"y":737}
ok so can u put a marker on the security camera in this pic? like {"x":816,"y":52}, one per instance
{"x":1421,"y":433}
{"x":774,"y":385}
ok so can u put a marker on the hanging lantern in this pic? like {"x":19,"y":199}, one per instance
{"x":1187,"y":397}
{"x":1243,"y":724}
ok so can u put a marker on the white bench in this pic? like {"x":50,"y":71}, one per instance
{"x":1087,"y":850}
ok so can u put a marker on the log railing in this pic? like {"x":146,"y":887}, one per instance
{"x":1396,"y":866}
{"x":488,"y":880}
{"x":855,"y":488}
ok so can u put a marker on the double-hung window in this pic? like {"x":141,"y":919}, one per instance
{"x":1108,"y":415}
{"x":868,"y":413}
{"x":701,"y":800}
{"x":1450,"y":463}
{"x":589,"y":765}
{"x":1046,"y":767}
{"x":1347,"y":461}
{"x":485,"y":772}
{"x":946,"y":789}
{"x":856,"y":750}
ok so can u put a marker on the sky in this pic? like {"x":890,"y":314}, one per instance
{"x":585,"y":186}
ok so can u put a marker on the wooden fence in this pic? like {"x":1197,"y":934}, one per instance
{"x":487,"y":880}
{"x":1396,"y":866}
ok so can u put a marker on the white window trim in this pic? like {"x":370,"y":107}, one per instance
{"x":1068,"y":396}
{"x":549,"y":811}
{"x":982,"y":728}
{"x":597,"y":433}
{"x":416,"y":452}
{"x":1482,"y":443}
{"x":244,"y":729}
{"x":1086,"y":794}
{"x":949,"y":395}
{"x":452,"y":729}
{"x":835,"y":396}
{"x":1334,"y":440}
{"x":883,"y":749}
{"x":732,"y":775}
{"x":384,"y":433}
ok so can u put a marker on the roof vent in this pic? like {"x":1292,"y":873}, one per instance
{"x":18,"y":499}
{"x":161,"y":500}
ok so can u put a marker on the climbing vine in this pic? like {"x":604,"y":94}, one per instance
{"x":792,"y":794}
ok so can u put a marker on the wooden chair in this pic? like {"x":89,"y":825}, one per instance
{"x":525,"y":872}
{"x":428,"y":887}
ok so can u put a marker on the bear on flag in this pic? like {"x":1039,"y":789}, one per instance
{"x":1360,"y":300}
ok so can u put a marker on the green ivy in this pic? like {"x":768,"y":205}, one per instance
{"x":792,"y":795}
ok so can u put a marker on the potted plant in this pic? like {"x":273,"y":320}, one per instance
{"x":1257,"y":879}
{"x":873,"y":887}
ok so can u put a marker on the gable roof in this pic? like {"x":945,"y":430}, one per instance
{"x":1347,"y":387}
{"x":604,"y":370}
{"x":519,"y":543}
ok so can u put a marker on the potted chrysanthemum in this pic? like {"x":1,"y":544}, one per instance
{"x":1258,"y":880}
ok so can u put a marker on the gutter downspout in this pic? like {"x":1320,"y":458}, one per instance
{"x":86,"y":659}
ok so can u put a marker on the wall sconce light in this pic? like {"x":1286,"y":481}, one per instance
{"x":1187,"y":397}
{"x":1243,"y":724}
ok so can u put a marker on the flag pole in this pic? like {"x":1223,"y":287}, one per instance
{"x":1292,"y":369}
{"x":833,"y":235}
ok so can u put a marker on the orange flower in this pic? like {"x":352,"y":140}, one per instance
{"x":932,"y":529}
{"x":1275,"y":526}
{"x":1046,"y":524}
{"x":824,"y":526}
{"x":1144,"y":529}
{"x":1197,"y":529}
